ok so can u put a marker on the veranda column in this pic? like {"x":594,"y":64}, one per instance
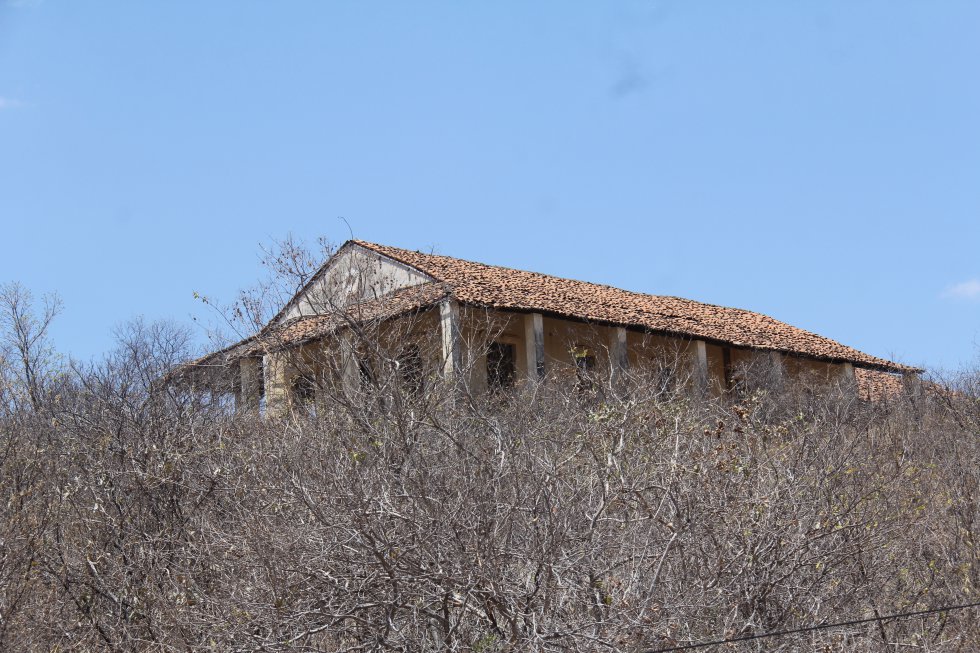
{"x":350,"y":371}
{"x":250,"y":384}
{"x":778,"y":368}
{"x":452,"y":350}
{"x":913,"y":382}
{"x":276,"y":384}
{"x":699,"y":350}
{"x":618,"y":355}
{"x":534,"y":345}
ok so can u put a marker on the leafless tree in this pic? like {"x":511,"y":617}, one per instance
{"x":405,"y":513}
{"x":27,"y":357}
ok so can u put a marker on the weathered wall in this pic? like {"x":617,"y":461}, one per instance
{"x":333,"y":362}
{"x":354,"y":274}
{"x":819,"y":371}
{"x":561,"y":337}
{"x":480,"y":326}
{"x":716,"y":369}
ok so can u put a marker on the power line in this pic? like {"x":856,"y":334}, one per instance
{"x":840,"y":624}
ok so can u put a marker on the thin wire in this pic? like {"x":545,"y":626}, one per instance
{"x":778,"y":633}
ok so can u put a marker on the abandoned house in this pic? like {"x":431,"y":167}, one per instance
{"x":490,"y":327}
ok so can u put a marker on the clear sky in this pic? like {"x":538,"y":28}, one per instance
{"x":816,"y":161}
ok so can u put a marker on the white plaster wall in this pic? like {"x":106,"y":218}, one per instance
{"x":353,"y":275}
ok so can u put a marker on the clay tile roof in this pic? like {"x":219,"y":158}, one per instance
{"x":312,"y":327}
{"x":874,"y":385}
{"x":518,"y":290}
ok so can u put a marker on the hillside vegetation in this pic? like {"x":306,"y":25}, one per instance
{"x":136,"y":515}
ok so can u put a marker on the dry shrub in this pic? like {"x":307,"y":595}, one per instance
{"x":137,"y":517}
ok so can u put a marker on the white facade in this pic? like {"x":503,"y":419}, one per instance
{"x":353,"y":275}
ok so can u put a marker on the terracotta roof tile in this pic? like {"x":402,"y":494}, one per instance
{"x":874,"y":385}
{"x":307,"y":328}
{"x":504,"y":288}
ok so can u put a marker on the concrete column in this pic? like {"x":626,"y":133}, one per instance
{"x":699,"y":350}
{"x":534,"y":345}
{"x":847,"y":374}
{"x":913,"y":382}
{"x":476,"y":361}
{"x":619,"y":361}
{"x":250,"y":384}
{"x":350,"y":371}
{"x":276,"y":384}
{"x":452,"y":349}
{"x":778,"y":368}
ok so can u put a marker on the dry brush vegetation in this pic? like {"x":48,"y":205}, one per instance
{"x":135,"y":516}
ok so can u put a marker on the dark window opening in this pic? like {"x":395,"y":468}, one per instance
{"x":304,"y":392}
{"x":501,"y":365}
{"x":666,"y":379}
{"x":367,"y":373}
{"x":410,"y":368}
{"x":584,"y":367}
{"x":261,"y":377}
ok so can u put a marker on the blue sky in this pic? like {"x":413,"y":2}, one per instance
{"x":816,"y":161}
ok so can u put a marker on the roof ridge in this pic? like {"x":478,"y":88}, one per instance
{"x":386,"y":249}
{"x":707,"y":316}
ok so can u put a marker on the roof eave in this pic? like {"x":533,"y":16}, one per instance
{"x":895,"y":368}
